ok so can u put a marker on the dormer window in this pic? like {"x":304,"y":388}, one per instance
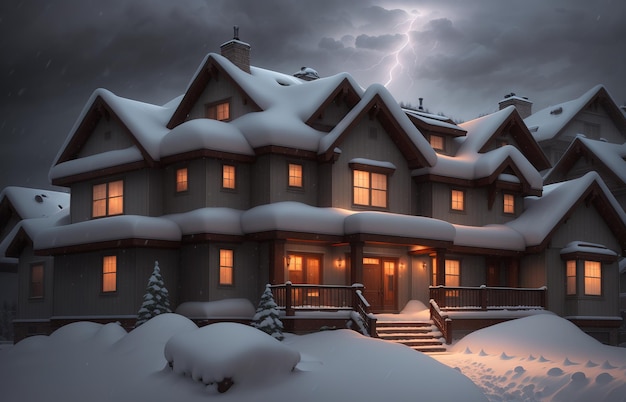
{"x":508,"y":204}
{"x":437,"y":142}
{"x":182,"y":183}
{"x":218,"y":111}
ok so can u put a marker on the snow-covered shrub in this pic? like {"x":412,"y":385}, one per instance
{"x":266,"y":317}
{"x":156,"y":299}
{"x":227,"y":353}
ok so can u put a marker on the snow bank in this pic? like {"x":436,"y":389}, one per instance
{"x":229,"y":351}
{"x":232,"y":308}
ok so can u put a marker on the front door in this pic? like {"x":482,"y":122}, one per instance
{"x":379,"y":280}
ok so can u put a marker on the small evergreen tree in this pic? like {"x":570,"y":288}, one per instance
{"x":156,"y":299}
{"x":266,"y":318}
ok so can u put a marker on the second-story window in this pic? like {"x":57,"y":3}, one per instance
{"x":182,"y":183}
{"x":228,"y":177}
{"x":108,"y":199}
{"x":437,"y":143}
{"x":508,"y":204}
{"x":218,"y":111}
{"x":457,"y":200}
{"x":295,"y":175}
{"x":370,"y":188}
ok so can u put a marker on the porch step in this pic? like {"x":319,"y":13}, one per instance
{"x":422,"y":336}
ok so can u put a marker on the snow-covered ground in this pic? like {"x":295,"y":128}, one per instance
{"x":538,"y":358}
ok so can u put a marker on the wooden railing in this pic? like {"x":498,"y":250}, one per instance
{"x":488,"y":298}
{"x":304,"y":297}
{"x":441,"y":320}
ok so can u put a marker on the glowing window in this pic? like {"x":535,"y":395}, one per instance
{"x":109,"y":273}
{"x":181,"y":180}
{"x":228,"y":177}
{"x":593,"y":278}
{"x":36,"y":281}
{"x":453,"y":273}
{"x":226,"y":267}
{"x":570,"y":277}
{"x":108,"y":199}
{"x":509,"y":204}
{"x":371,"y":261}
{"x":370,"y":188}
{"x":436,"y":142}
{"x":218,"y":111}
{"x":457,"y":200}
{"x":295,"y":175}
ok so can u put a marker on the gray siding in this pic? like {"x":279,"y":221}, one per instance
{"x":219,"y":89}
{"x":108,"y":135}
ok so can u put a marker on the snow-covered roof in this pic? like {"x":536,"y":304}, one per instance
{"x":547,"y":123}
{"x":542,"y":214}
{"x":480,"y":130}
{"x":30,"y":228}
{"x":35,"y":203}
{"x":499,"y":237}
{"x":586,"y":247}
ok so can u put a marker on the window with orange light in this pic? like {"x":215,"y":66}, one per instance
{"x":570,"y":277}
{"x":437,"y":142}
{"x":228,"y":177}
{"x":295,"y":175}
{"x":453,"y":273}
{"x":108,"y":199}
{"x":508,"y":203}
{"x":109,"y":273}
{"x":457,"y":200}
{"x":218,"y":111}
{"x":226,"y":267}
{"x":182,"y":183}
{"x":369,"y":188}
{"x":593,"y":278}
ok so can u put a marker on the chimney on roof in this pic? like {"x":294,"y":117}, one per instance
{"x":522,"y":104}
{"x":421,"y":107}
{"x":237,"y":52}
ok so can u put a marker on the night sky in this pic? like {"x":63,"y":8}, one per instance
{"x":461,"y":56}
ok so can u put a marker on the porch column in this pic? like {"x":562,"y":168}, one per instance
{"x":441,"y":266}
{"x":356,"y":262}
{"x":277,"y":262}
{"x":513,"y":278}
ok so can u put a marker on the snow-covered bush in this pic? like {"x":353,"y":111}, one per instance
{"x":227,"y":353}
{"x":156,"y":299}
{"x":266,"y":317}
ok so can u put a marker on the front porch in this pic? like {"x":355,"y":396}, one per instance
{"x":479,"y":306}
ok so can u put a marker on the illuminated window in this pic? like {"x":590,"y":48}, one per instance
{"x":108,"y":199}
{"x":181,"y":180}
{"x":370,"y":188}
{"x":509,"y":204}
{"x":437,"y":142}
{"x":226,"y":267}
{"x":295,"y":175}
{"x":218,"y":111}
{"x":434,"y":272}
{"x":36,"y":281}
{"x":593,"y":278}
{"x":453,"y":273}
{"x":109,"y":273}
{"x":571,"y":277}
{"x":457,"y":200}
{"x":228,"y":177}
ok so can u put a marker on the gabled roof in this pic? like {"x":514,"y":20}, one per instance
{"x":483,"y":131}
{"x":24,"y":233}
{"x":543,"y":215}
{"x":433,"y":124}
{"x":549,"y":122}
{"x":30,"y":203}
{"x":607,"y":158}
{"x":378,"y":102}
{"x":142,"y":122}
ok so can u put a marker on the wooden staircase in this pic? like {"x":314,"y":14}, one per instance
{"x":422,"y":336}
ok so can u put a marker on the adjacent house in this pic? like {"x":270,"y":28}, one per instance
{"x":255,"y":177}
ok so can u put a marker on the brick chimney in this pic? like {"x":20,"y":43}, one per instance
{"x":523,"y":105}
{"x":237,"y":52}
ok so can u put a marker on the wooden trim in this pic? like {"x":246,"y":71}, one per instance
{"x":372,"y":168}
{"x":589,"y":256}
{"x":100,"y":173}
{"x":343,"y":92}
{"x":280,"y":150}
{"x":207,"y":153}
{"x":211,"y":237}
{"x":301,"y":236}
{"x":109,"y":244}
{"x":397,"y":240}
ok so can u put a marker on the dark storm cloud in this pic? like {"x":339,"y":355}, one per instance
{"x":463,"y":56}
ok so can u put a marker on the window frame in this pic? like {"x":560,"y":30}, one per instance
{"x":214,"y":106}
{"x":222,"y":265}
{"x":448,"y":275}
{"x":233,"y":179}
{"x":439,"y":137}
{"x":571,"y":277}
{"x":107,"y":198}
{"x":369,"y":189}
{"x":178,"y":182}
{"x":463,"y":200}
{"x":31,"y":283}
{"x":511,"y":204}
{"x":104,"y":289}
{"x":290,"y":176}
{"x":587,"y":276}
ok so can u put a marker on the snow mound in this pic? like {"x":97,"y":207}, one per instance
{"x":231,"y":308}
{"x":229,"y":353}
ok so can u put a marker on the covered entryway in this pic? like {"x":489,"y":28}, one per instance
{"x":379,"y":279}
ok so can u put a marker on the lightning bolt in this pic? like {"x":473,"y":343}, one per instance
{"x":406,"y":45}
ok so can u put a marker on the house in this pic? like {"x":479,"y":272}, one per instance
{"x":254,"y":177}
{"x":594,"y":114}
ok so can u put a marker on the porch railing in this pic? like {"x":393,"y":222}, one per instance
{"x":304,"y":297}
{"x":488,"y":298}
